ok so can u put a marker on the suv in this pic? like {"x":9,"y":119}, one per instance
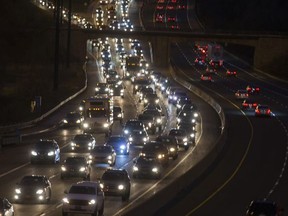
{"x":45,"y":150}
{"x":34,"y":187}
{"x":76,"y":166}
{"x":84,"y":197}
{"x":116,"y":182}
{"x":157,"y":150}
{"x":147,"y":166}
{"x":171,"y":143}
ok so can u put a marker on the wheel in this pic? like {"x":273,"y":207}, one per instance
{"x":126,"y":196}
{"x":101,"y":210}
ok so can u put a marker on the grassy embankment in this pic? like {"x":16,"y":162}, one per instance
{"x":27,"y":42}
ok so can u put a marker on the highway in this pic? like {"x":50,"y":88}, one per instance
{"x":251,"y":165}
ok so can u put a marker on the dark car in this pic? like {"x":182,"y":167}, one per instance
{"x":118,"y":89}
{"x":147,"y":167}
{"x":118,"y":114}
{"x":157,"y":115}
{"x":132,"y":124}
{"x":119,"y":143}
{"x":264,"y":207}
{"x":84,"y":141}
{"x":45,"y":151}
{"x":181,"y":136}
{"x":171,"y":143}
{"x":72,"y":119}
{"x":151,"y":98}
{"x":116,"y":182}
{"x":33,"y":187}
{"x":76,"y":166}
{"x":138,"y":137}
{"x":6,"y":208}
{"x":102,"y":88}
{"x":249,"y":104}
{"x":149,"y":122}
{"x":156,"y":150}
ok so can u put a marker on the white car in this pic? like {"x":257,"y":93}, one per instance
{"x":84,"y":197}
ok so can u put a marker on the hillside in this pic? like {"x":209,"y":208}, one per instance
{"x":27,"y":43}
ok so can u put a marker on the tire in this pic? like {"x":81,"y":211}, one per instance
{"x":101,"y":210}
{"x":126,"y":196}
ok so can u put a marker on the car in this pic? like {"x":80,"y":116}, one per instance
{"x":103,"y":154}
{"x":119,"y":143}
{"x":189,"y":109}
{"x":33,"y":188}
{"x":264,"y":207}
{"x":181,"y":102}
{"x":133,"y":124}
{"x":45,"y":150}
{"x":102,"y":88}
{"x":156,"y":150}
{"x":85,"y":141}
{"x":253,"y":89}
{"x":181,"y":137}
{"x":190,"y":131}
{"x":263,"y":110}
{"x":138,"y":137}
{"x":149,"y":122}
{"x":231,"y":73}
{"x":6,"y":208}
{"x":118,"y":89}
{"x":113,"y":79}
{"x":118,"y":114}
{"x":242,"y":94}
{"x":157,"y":115}
{"x":76,"y":166}
{"x":72,"y":119}
{"x":139,"y":82}
{"x":206,"y":77}
{"x":84,"y":197}
{"x":173,"y":97}
{"x":143,"y":90}
{"x":116,"y":182}
{"x":249,"y":104}
{"x":147,"y":166}
{"x":151,"y":98}
{"x":153,"y":106}
{"x":171,"y":143}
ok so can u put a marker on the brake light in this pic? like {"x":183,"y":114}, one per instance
{"x":245,"y":104}
{"x":268,"y":111}
{"x":257,"y":111}
{"x":255,"y":104}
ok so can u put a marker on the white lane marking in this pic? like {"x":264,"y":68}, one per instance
{"x":13,"y":170}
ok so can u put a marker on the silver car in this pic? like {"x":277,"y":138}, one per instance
{"x":103,"y":154}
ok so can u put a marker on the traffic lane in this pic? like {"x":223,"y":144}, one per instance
{"x":255,"y":179}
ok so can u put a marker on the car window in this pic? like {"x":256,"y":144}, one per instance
{"x":82,"y":190}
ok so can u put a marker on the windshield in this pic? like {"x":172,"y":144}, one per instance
{"x":103,"y":149}
{"x":177,"y":133}
{"x":96,"y":113}
{"x":113,"y":176}
{"x":82,"y":190}
{"x":75,"y":160}
{"x":44,"y":145}
{"x":32,"y":180}
{"x":81,"y":137}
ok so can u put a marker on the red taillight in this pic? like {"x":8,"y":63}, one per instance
{"x":268,"y":111}
{"x":257,"y":111}
{"x":245,"y":104}
{"x":255,"y":104}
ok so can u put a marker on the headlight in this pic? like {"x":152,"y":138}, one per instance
{"x":157,"y":101}
{"x":78,"y":121}
{"x":126,"y":131}
{"x":51,"y":153}
{"x":34,"y":153}
{"x":185,"y":139}
{"x":150,"y":124}
{"x":81,"y":108}
{"x":82,"y":169}
{"x":106,"y":125}
{"x":159,"y":120}
{"x":195,"y":115}
{"x":97,"y":89}
{"x":172,"y":149}
{"x":89,"y":144}
{"x":63,"y":168}
{"x":142,"y":154}
{"x":85,"y":125}
{"x":155,"y":170}
{"x":122,"y":147}
{"x":73,"y":144}
{"x":119,"y":115}
{"x":107,"y":89}
{"x":130,"y":139}
{"x":193,"y":120}
{"x":145,"y":101}
{"x":92,"y":202}
{"x":109,"y":157}
{"x":65,"y":200}
{"x":192,"y":135}
{"x":135,"y":168}
{"x":160,"y":156}
{"x":120,"y":187}
{"x":18,"y":191}
{"x":40,"y":191}
{"x":65,"y":121}
{"x":178,"y":120}
{"x":144,"y":139}
{"x":101,"y":185}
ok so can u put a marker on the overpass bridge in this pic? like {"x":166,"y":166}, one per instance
{"x":268,"y":48}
